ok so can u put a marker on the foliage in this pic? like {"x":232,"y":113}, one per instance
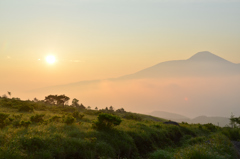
{"x":69,"y":119}
{"x":26,"y":108}
{"x":4,"y":121}
{"x":56,"y":99}
{"x":55,"y":118}
{"x":75,"y":102}
{"x":216,"y":147}
{"x":77,"y":115}
{"x":25,"y":123}
{"x":106,"y":121}
{"x":161,"y":154}
{"x":38,"y":118}
{"x":121,"y":110}
{"x":234,"y":121}
{"x":210,"y":127}
{"x":133,"y":117}
{"x":232,"y":133}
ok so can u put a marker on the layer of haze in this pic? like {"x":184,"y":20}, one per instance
{"x":101,"y":39}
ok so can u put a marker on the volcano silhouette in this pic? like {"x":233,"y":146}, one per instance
{"x":200,"y":64}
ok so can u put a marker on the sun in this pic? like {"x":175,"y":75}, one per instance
{"x":50,"y":59}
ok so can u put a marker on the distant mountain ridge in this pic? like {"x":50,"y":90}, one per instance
{"x":200,"y":64}
{"x":220,"y":121}
{"x":206,"y":56}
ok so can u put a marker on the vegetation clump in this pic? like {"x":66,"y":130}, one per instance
{"x":69,"y":119}
{"x":77,"y":115}
{"x":106,"y":121}
{"x":26,"y":108}
{"x":131,"y":116}
{"x":38,"y":118}
{"x":4,"y":121}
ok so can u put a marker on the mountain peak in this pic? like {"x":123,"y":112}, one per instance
{"x":206,"y":56}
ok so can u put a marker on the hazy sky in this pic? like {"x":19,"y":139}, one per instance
{"x":97,"y":39}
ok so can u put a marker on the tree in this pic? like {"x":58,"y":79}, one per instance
{"x":96,"y":108}
{"x":232,"y":121}
{"x":121,"y":110}
{"x":75,"y":102}
{"x":89,"y":107}
{"x":35,"y":100}
{"x":56,"y":100}
{"x":50,"y":99}
{"x":106,"y":121}
{"x":111,"y":108}
{"x":62,"y":99}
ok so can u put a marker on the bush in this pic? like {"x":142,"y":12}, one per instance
{"x":232,"y":133}
{"x":26,"y":108}
{"x":25,"y":123}
{"x":32,"y":143}
{"x":4,"y":121}
{"x":38,"y":118}
{"x":210,"y":127}
{"x":106,"y":121}
{"x":133,"y":117}
{"x":69,"y":119}
{"x":54,"y":118}
{"x":217,"y":146}
{"x":17,"y":116}
{"x":77,"y":115}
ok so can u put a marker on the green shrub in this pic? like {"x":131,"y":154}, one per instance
{"x":26,"y":108}
{"x":55,"y":118}
{"x":217,"y":146}
{"x":25,"y":123}
{"x":32,"y":143}
{"x":210,"y":127}
{"x":69,"y":119}
{"x":68,"y":109}
{"x":232,"y":133}
{"x":77,"y":115}
{"x":4,"y":121}
{"x":133,"y":117}
{"x":106,"y":121}
{"x":17,"y":116}
{"x":3,"y":116}
{"x":38,"y":118}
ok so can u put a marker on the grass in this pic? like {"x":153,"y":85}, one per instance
{"x":61,"y":133}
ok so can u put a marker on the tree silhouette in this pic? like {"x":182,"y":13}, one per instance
{"x":56,"y":100}
{"x":75,"y":102}
{"x":111,"y":108}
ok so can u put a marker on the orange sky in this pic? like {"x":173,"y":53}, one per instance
{"x":99,"y":40}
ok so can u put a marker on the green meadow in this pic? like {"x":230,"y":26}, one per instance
{"x":39,"y":130}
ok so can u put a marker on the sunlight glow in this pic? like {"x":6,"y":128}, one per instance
{"x":50,"y":59}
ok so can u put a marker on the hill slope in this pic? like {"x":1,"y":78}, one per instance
{"x":63,"y":132}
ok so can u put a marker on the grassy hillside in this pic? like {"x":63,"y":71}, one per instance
{"x":38,"y":130}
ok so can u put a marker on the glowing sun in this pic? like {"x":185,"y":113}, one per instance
{"x":50,"y":59}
